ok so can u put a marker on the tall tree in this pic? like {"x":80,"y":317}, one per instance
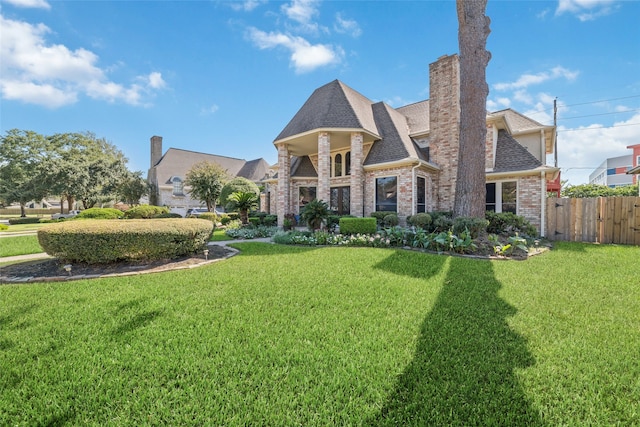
{"x":85,"y":168}
{"x":132,"y":188}
{"x":473,"y":30}
{"x":23,"y":156}
{"x":206,"y":180}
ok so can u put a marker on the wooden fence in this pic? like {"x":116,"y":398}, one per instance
{"x":601,"y":220}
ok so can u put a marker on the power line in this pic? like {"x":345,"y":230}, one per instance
{"x":602,"y":100}
{"x":601,"y":127}
{"x":600,"y":114}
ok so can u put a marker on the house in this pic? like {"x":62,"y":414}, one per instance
{"x":362,"y":156}
{"x":167,"y":174}
{"x":613,"y":172}
{"x":635,"y":165}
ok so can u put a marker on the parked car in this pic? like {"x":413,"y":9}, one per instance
{"x":198,"y":211}
{"x":70,"y":214}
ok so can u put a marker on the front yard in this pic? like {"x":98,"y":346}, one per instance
{"x":283,"y":335}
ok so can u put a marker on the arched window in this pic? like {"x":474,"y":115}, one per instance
{"x":178,"y":186}
{"x":337,"y":165}
{"x":347,"y":163}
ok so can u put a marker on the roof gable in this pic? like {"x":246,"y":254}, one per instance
{"x":417,"y":117}
{"x":334,"y":105}
{"x":395,"y":143}
{"x":512,"y":156}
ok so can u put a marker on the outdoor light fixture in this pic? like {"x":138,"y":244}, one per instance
{"x":206,"y":254}
{"x":67,"y":268}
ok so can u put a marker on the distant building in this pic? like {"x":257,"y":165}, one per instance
{"x":613,"y":172}
{"x":635,"y":157}
{"x":168,"y":172}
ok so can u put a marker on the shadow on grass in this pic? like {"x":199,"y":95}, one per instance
{"x":135,"y":321}
{"x":462,"y":372}
{"x":413,"y":264}
{"x":573,"y":246}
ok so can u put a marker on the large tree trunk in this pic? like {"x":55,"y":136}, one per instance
{"x":473,"y":31}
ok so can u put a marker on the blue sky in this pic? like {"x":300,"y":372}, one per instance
{"x":225,"y":77}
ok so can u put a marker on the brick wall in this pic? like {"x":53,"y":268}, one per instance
{"x":444,"y":124}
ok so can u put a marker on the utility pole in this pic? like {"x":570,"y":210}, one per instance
{"x":555,"y":130}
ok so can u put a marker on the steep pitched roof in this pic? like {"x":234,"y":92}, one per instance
{"x":395,"y":143}
{"x":254,"y":170}
{"x":517,"y":122}
{"x":334,"y":105}
{"x":176,"y":162}
{"x":417,"y":115}
{"x":512,"y":156}
{"x":303,"y":167}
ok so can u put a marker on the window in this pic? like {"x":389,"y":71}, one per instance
{"x":340,"y":168}
{"x":387,"y":194}
{"x":611,"y":171}
{"x":340,"y":203}
{"x":421,"y":195}
{"x":306,"y":194}
{"x":638,"y":161}
{"x":502,"y":196}
{"x":337,"y":165}
{"x":178,"y":186}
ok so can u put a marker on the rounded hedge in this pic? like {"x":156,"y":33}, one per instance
{"x":145,"y":211}
{"x":100,"y":213}
{"x":102,"y":242}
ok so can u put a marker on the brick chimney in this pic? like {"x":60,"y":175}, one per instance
{"x":156,"y":150}
{"x":444,"y":125}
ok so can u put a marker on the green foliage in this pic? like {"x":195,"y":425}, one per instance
{"x":391,"y":220}
{"x":441,"y":221}
{"x":100,"y":213}
{"x":506,"y":223}
{"x":101,"y":242}
{"x":379,"y":216}
{"x":254,"y":221}
{"x":26,"y":220}
{"x":421,"y":220}
{"x":315,"y":213}
{"x":145,"y":212}
{"x":238,"y":184}
{"x":4,"y":227}
{"x":595,"y":190}
{"x":243,"y":201}
{"x":475,"y":226}
{"x":349,"y":225}
{"x":253,"y":232}
{"x":131,"y":188}
{"x":270,"y":220}
{"x":170,"y":215}
{"x":206,"y":180}
{"x":397,"y":236}
{"x":211,"y":216}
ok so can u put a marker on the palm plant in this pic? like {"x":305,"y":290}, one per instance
{"x":315,"y":213}
{"x":244,"y":201}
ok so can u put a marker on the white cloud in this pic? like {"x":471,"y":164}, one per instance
{"x":349,"y":26}
{"x":247,"y":5}
{"x":584,"y":148}
{"x":36,"y":4}
{"x":305,"y":57}
{"x":52,"y":75}
{"x":586,"y":10}
{"x":209,"y":110}
{"x":527,"y":80}
{"x":301,"y":11}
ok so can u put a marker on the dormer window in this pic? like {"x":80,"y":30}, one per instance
{"x":178,"y":186}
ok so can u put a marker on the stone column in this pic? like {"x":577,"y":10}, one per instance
{"x":324,"y":167}
{"x":284,"y":183}
{"x":357,"y":175}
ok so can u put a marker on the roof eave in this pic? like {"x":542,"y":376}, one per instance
{"x":410,"y":161}
{"x":318,"y":130}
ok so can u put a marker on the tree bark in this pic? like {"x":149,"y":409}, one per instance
{"x":473,"y":31}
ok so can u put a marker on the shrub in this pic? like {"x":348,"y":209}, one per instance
{"x":421,"y":220}
{"x":270,"y":220}
{"x":315,"y":213}
{"x":441,"y":221}
{"x":169,"y":215}
{"x":391,"y":220}
{"x":101,"y":242}
{"x":4,"y":227}
{"x":237,"y":184}
{"x":145,"y":212}
{"x":254,"y":221}
{"x":350,"y":225}
{"x":379,"y":216}
{"x":209,"y":216}
{"x":475,"y":226}
{"x":507,"y":223}
{"x":26,"y":220}
{"x":251,"y":232}
{"x":100,"y":213}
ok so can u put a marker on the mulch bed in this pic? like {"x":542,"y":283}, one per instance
{"x":52,"y":268}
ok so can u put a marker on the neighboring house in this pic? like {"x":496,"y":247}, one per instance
{"x":613,"y":172}
{"x":362,"y":156}
{"x":635,"y":166}
{"x":168,"y":173}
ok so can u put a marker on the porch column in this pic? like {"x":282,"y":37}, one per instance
{"x":324,"y":167}
{"x":357,"y":176}
{"x":284,"y":182}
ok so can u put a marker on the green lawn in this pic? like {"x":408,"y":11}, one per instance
{"x":281,"y":336}
{"x":19,"y":245}
{"x":20,"y":228}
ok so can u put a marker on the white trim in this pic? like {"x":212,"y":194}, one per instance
{"x":328,"y":130}
{"x":400,"y":163}
{"x":543,"y":203}
{"x":498,"y":202}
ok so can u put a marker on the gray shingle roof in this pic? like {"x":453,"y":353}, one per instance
{"x":395,"y":143}
{"x":512,"y":156}
{"x":254,"y":170}
{"x":417,"y":117}
{"x":303,"y":167}
{"x":517,"y":122}
{"x":334,"y":105}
